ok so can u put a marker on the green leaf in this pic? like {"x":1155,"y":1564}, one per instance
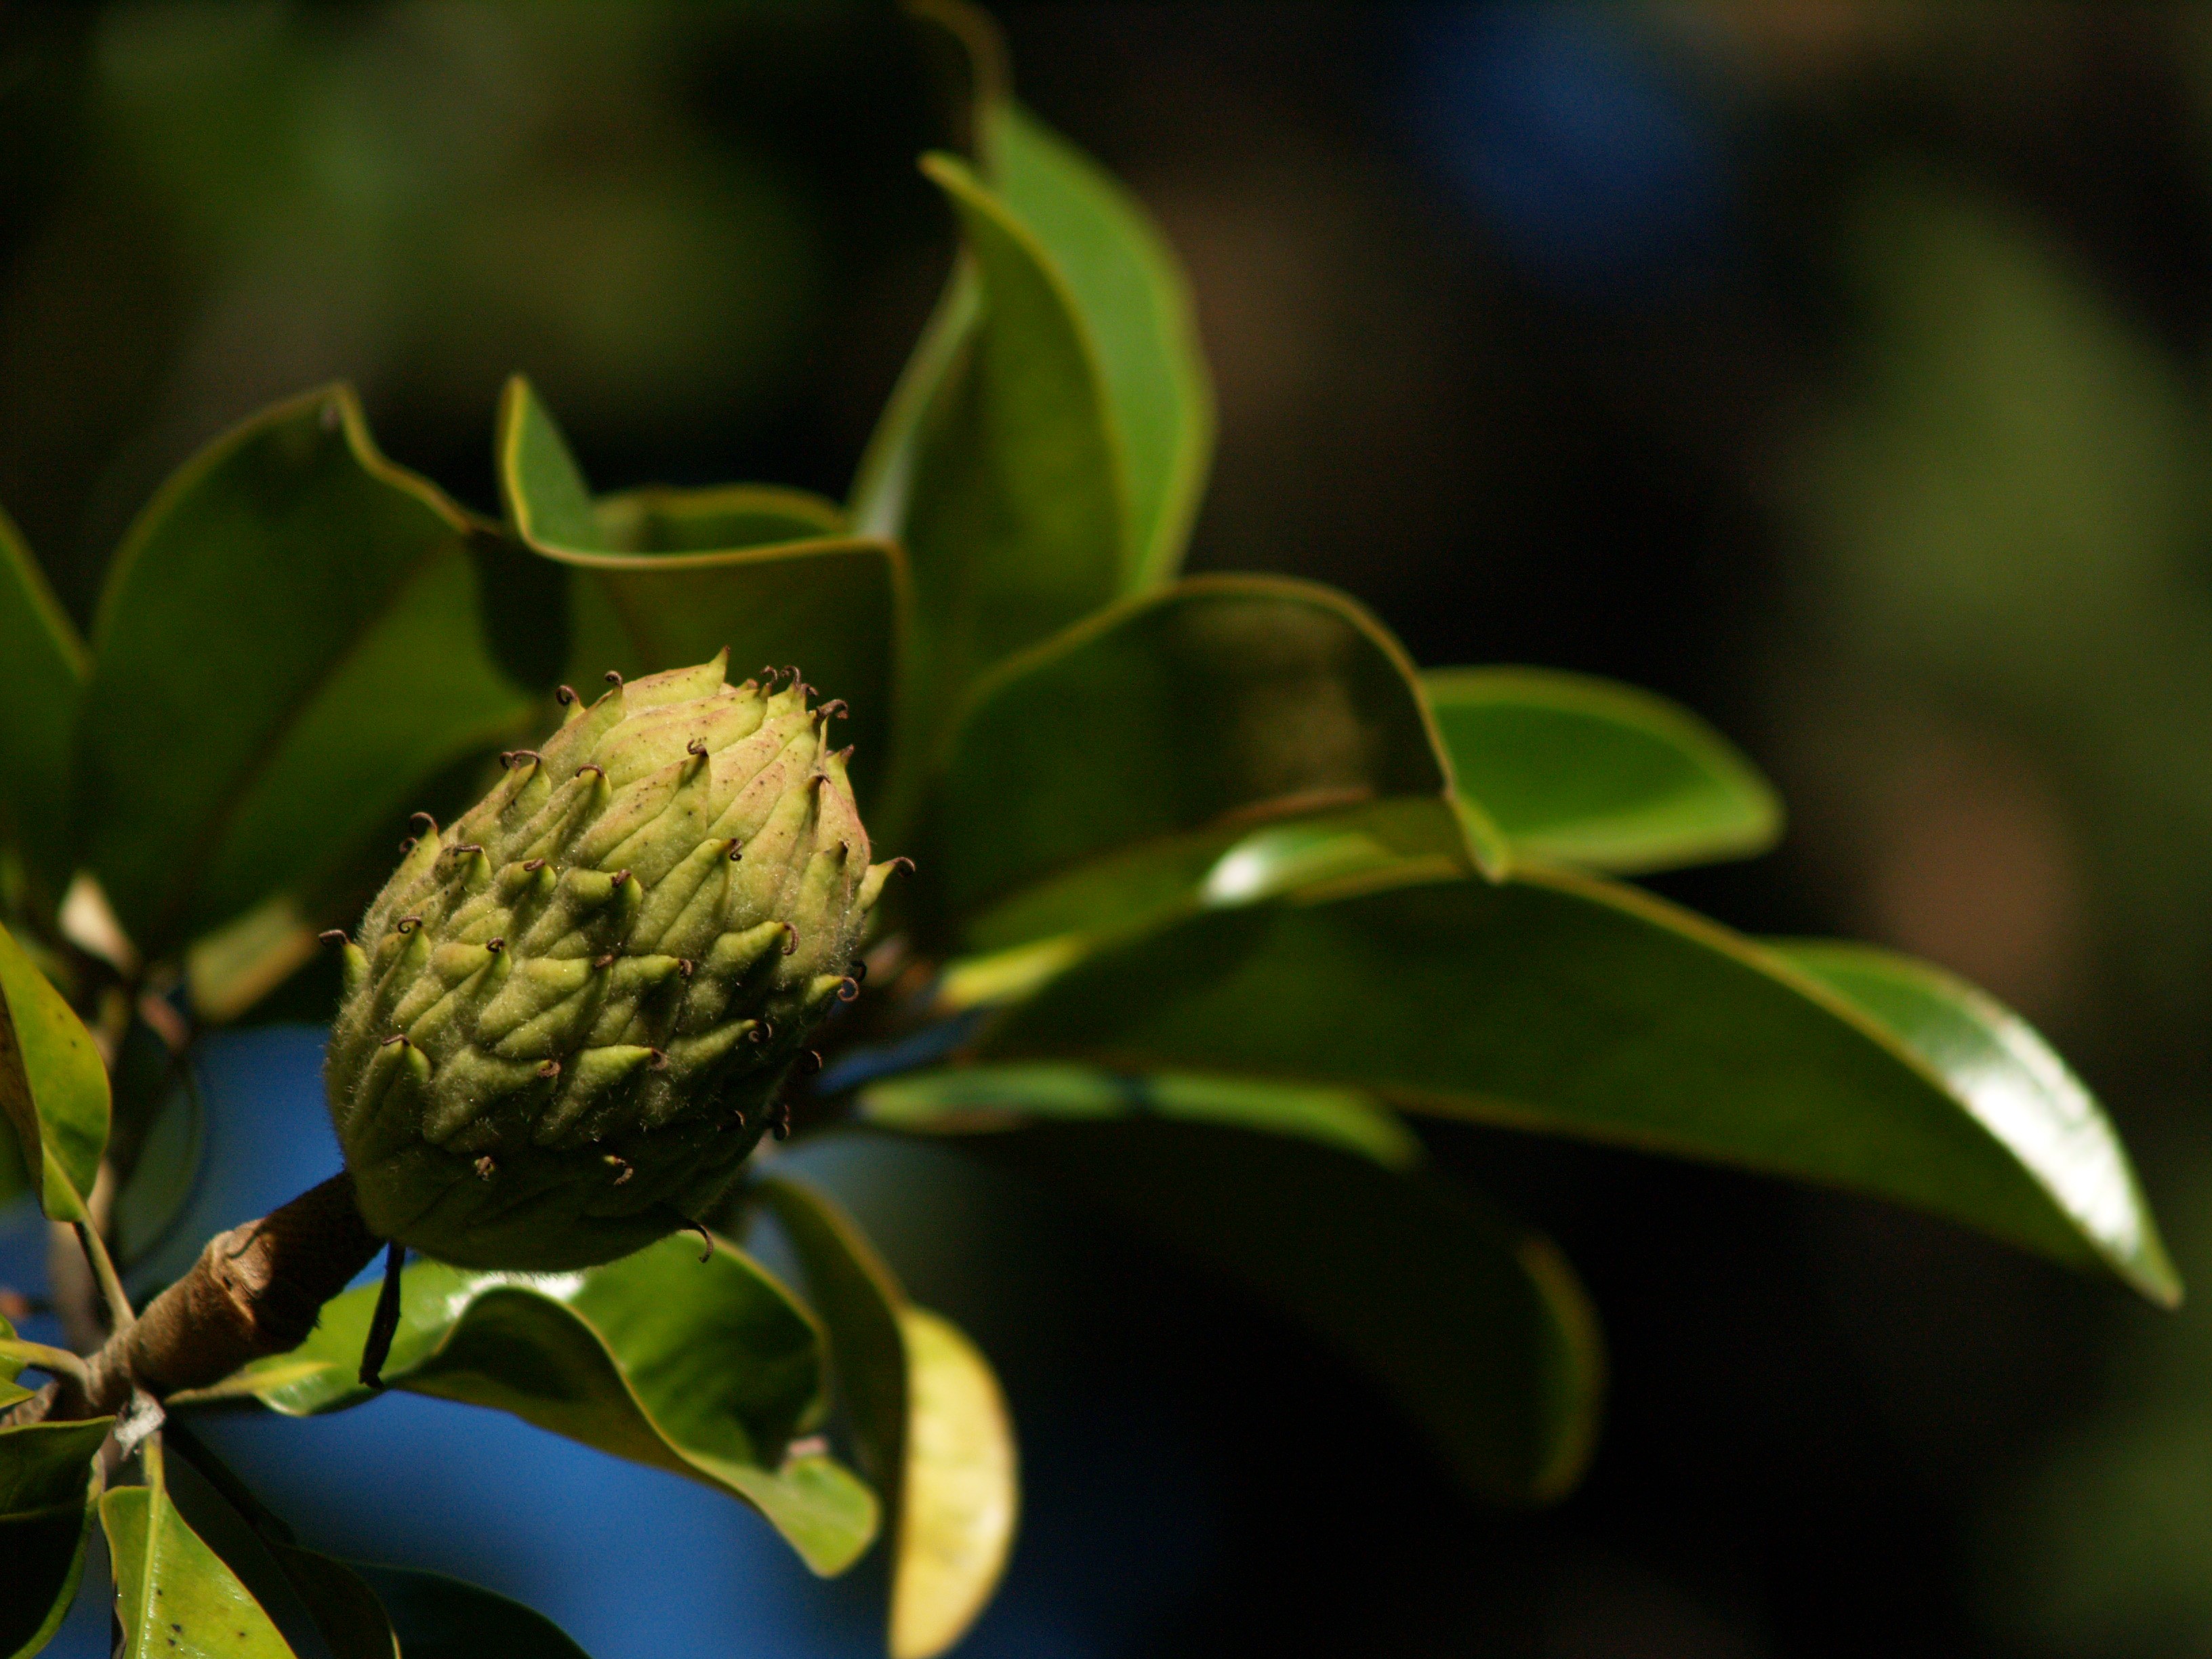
{"x":45,"y":667}
{"x":441,"y":1618}
{"x":989,"y":1099}
{"x":2011,"y":1080}
{"x":1586,"y":771}
{"x":289,"y":646}
{"x":1228,"y":863}
{"x":1134,"y":305}
{"x":52,"y":1085}
{"x":347,"y":1615}
{"x":960,"y":1496}
{"x":174,"y":1596}
{"x":654,"y":584}
{"x":1565,"y":1003}
{"x":46,"y":1474}
{"x":928,"y":1416}
{"x":997,"y":464}
{"x":1477,"y":1329}
{"x":1203,"y":708}
{"x":705,"y":1368}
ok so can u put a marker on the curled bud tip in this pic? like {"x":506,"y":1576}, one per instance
{"x":534,"y":865}
{"x":485,"y":1168}
{"x":849,"y":989}
{"x":333,"y":936}
{"x":564,"y":695}
{"x":612,"y":677}
{"x":550,"y":1068}
{"x":495,"y":945}
{"x":606,"y":961}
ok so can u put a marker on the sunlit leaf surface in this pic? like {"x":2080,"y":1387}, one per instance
{"x":708,"y":1368}
{"x":1586,"y":771}
{"x":54,"y":1087}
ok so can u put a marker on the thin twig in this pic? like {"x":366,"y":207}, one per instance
{"x":103,"y":1269}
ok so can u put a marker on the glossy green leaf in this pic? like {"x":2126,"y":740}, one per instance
{"x":988,"y":1099}
{"x":960,"y":1495}
{"x":2011,"y":1080}
{"x":1565,"y":1003}
{"x":1134,"y":306}
{"x":289,"y":646}
{"x":54,"y":1087}
{"x":1205,"y":707}
{"x":928,"y":1415}
{"x":1477,"y":1329}
{"x":43,"y":665}
{"x":654,"y":583}
{"x":858,"y":1299}
{"x":174,"y":1598}
{"x":45,"y":1486}
{"x":997,"y":464}
{"x":705,"y":1368}
{"x":1587,"y":771}
{"x":441,"y":1618}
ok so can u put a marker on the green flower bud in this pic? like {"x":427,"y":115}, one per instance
{"x":569,"y":1017}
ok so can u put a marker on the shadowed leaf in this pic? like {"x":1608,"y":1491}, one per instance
{"x":983,"y":1099}
{"x":1477,"y":1329}
{"x":45,"y":1487}
{"x":996,"y":463}
{"x":929,"y":1419}
{"x":1223,"y":700}
{"x":289,"y":646}
{"x":43,"y":665}
{"x":1134,"y":305}
{"x":659,"y":578}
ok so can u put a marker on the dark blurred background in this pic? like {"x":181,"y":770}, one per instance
{"x":1843,"y":371}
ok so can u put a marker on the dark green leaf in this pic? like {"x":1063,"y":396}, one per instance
{"x":441,"y":1618}
{"x":1565,"y":1003}
{"x":858,"y":1300}
{"x":928,"y":1416}
{"x":1477,"y":1329}
{"x":174,"y":1598}
{"x":986,"y":1099}
{"x":53,"y":1088}
{"x":289,"y":644}
{"x":996,"y":464}
{"x":1589,"y":772}
{"x":45,"y":1487}
{"x":706,"y":1369}
{"x":42,"y":665}
{"x":1134,"y":306}
{"x":960,"y":1493}
{"x":1219,"y":701}
{"x":653,"y":584}
{"x":346,"y":1611}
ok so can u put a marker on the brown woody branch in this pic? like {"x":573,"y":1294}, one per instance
{"x":255,"y":1290}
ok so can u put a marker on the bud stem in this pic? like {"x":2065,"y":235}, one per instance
{"x":255,"y":1290}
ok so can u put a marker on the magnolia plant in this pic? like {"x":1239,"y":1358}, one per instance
{"x":1200,"y":897}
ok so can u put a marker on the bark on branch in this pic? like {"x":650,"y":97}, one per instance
{"x":255,"y":1290}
